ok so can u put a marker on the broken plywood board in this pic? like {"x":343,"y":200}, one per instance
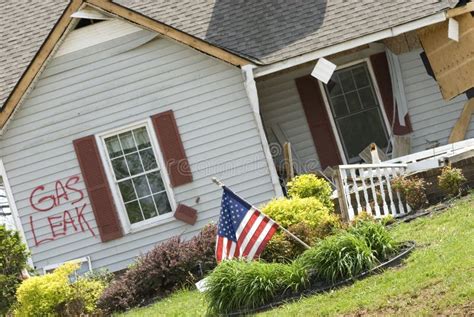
{"x":452,"y":62}
{"x":460,"y":128}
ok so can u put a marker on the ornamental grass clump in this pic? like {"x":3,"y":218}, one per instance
{"x":338,"y":257}
{"x":240,"y":285}
{"x":377,"y":237}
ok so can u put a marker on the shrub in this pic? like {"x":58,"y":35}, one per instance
{"x":169,"y":266}
{"x":283,"y":248}
{"x":387,"y":220}
{"x":309,"y":185}
{"x":239,"y":285}
{"x":451,"y":180}
{"x":311,"y":211}
{"x":13,"y":257}
{"x":412,"y":189}
{"x":363,"y":216}
{"x":341,"y":256}
{"x":377,"y":237}
{"x":54,"y":294}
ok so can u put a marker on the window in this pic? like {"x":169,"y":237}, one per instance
{"x":356,"y":110}
{"x":137,"y":174}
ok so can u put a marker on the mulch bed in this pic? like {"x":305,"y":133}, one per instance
{"x":321,"y":287}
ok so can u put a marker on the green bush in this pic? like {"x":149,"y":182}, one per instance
{"x":55,"y":295}
{"x":451,"y":180}
{"x":283,"y":248}
{"x":309,"y":185}
{"x":311,"y":211}
{"x":13,"y":257}
{"x":337,"y":257}
{"x":240,"y":285}
{"x":412,"y":190}
{"x":377,"y":237}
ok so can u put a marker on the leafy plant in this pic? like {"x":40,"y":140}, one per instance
{"x":310,"y":211}
{"x":54,"y":294}
{"x":13,"y":259}
{"x":309,"y":185}
{"x":337,"y":257}
{"x":169,"y":266}
{"x":283,"y":248}
{"x":377,"y":237}
{"x":239,"y":285}
{"x":412,"y":189}
{"x":451,"y":180}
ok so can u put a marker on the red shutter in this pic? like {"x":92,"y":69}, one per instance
{"x":382,"y":75}
{"x":318,"y":121}
{"x":172,"y":148}
{"x":100,"y":196}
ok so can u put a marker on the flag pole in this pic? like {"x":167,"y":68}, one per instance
{"x":221,"y":184}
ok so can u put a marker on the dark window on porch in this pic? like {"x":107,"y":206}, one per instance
{"x":356,"y":110}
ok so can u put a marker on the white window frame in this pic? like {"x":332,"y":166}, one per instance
{"x":117,"y":196}
{"x":340,"y":147}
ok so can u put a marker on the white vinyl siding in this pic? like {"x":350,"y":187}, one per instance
{"x":114,"y":84}
{"x":432,"y":118}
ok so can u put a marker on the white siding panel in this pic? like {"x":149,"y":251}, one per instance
{"x":432,"y":118}
{"x":127,"y":80}
{"x":281,"y":106}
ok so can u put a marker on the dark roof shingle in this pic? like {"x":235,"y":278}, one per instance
{"x":24,"y":26}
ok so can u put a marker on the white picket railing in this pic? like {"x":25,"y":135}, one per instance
{"x":367,"y":187}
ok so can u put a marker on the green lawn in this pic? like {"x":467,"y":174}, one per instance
{"x":437,"y":278}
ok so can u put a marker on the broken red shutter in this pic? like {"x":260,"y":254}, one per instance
{"x":382,"y":75}
{"x":318,"y":121}
{"x":172,"y":148}
{"x":98,"y":189}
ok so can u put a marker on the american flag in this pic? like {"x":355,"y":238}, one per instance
{"x":243,"y":231}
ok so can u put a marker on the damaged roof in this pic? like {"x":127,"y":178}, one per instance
{"x":269,"y":31}
{"x":265,"y":31}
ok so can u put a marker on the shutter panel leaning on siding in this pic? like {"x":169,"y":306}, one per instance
{"x":382,"y":75}
{"x":318,"y":121}
{"x":172,"y":148}
{"x":98,"y":189}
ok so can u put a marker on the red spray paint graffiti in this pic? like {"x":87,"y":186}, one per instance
{"x":66,"y":197}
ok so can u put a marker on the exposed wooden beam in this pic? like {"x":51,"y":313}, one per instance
{"x":38,"y":62}
{"x":168,"y":31}
{"x":469,"y":7}
{"x":460,"y":128}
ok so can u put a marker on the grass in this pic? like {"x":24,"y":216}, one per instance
{"x":437,"y":279}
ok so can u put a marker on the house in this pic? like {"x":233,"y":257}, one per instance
{"x":116,"y":114}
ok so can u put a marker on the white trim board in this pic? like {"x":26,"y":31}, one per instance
{"x":311,"y":56}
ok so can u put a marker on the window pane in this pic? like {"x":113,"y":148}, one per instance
{"x":133,"y":212}
{"x":141,"y":136}
{"x":367,"y":97}
{"x":113,"y":146}
{"x":128,"y":144}
{"x":141,"y":186}
{"x":334,"y":86}
{"x":148,"y":159}
{"x":120,"y":168}
{"x":134,"y":164}
{"x":148,"y":207}
{"x":359,"y":130}
{"x":347,"y":82}
{"x":361,"y":76}
{"x":126,"y":189}
{"x":156,"y":183}
{"x":353,"y":102}
{"x":339,"y":106}
{"x":162,"y":203}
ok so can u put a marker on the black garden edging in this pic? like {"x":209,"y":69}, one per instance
{"x":320,"y":287}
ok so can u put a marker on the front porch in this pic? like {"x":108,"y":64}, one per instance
{"x":329,"y":125}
